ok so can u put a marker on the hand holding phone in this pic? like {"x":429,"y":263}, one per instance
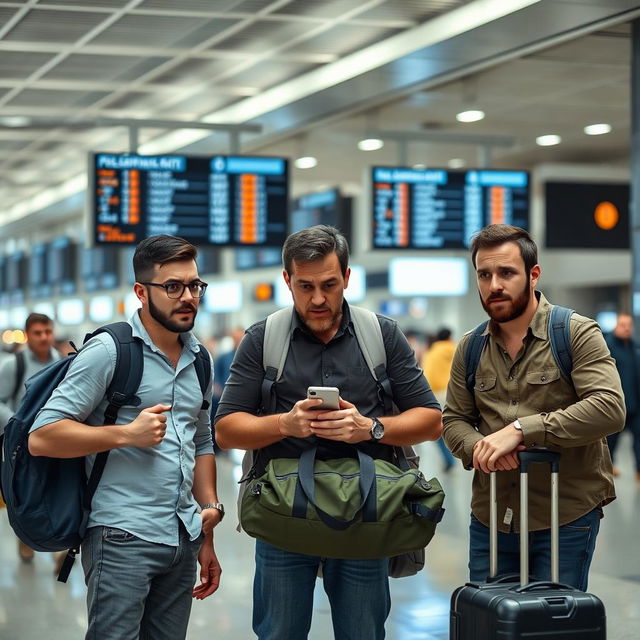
{"x":330,"y":397}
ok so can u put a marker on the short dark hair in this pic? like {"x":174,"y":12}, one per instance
{"x":36,"y":318}
{"x":443,"y":334}
{"x":160,"y":249}
{"x":496,"y":234}
{"x":315,"y":243}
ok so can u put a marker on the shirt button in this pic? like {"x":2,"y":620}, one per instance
{"x":543,"y":378}
{"x":510,"y":377}
{"x":514,"y":402}
{"x":326,"y":375}
{"x":482,"y":385}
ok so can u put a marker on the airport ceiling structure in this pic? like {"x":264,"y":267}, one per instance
{"x":308,"y":77}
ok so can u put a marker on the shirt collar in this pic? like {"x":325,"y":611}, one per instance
{"x":538,"y":324}
{"x":139,"y":331}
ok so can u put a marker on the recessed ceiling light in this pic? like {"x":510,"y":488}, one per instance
{"x":548,"y":140}
{"x":419,"y":165}
{"x":456,"y":163}
{"x":15,"y":121}
{"x":597,"y":129}
{"x":370,"y":144}
{"x":306,"y":162}
{"x":473,"y":115}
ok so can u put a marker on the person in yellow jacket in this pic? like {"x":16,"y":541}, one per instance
{"x":436,"y":365}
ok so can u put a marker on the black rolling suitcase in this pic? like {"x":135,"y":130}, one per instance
{"x":504,"y":609}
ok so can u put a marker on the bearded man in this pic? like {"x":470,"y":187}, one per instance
{"x":520,"y":399}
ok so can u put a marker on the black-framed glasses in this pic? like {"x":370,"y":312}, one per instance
{"x":175,"y":289}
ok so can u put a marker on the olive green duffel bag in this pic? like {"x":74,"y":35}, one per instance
{"x":342,"y":508}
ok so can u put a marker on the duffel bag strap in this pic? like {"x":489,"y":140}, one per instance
{"x":367,"y":488}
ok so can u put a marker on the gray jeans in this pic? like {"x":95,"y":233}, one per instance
{"x":137,"y":589}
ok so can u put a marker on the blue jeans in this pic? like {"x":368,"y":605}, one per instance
{"x":577,"y":544}
{"x":137,"y":589}
{"x":283,"y":588}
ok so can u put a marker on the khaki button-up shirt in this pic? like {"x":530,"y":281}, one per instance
{"x":571,"y":418}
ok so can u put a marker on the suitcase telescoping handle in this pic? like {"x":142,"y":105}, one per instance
{"x":526,"y":458}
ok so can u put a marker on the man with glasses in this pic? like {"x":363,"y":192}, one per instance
{"x":156,"y":505}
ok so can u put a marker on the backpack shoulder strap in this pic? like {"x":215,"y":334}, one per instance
{"x":475,"y":347}
{"x":123,"y":387}
{"x":369,"y":335}
{"x":202,"y":365}
{"x":20,"y":369}
{"x":128,"y":370}
{"x":275,"y":346}
{"x":560,"y":338}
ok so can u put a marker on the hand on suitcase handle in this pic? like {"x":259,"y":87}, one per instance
{"x":539,"y":454}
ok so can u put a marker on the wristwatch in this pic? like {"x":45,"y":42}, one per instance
{"x":377,"y":430}
{"x":517,"y":425}
{"x":214,"y":505}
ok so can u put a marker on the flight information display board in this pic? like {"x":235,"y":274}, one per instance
{"x":587,"y":215}
{"x":222,"y":200}
{"x":443,"y":209}
{"x":322,"y":207}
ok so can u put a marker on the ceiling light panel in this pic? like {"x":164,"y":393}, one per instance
{"x":471,"y":115}
{"x":548,"y":140}
{"x":597,"y":129}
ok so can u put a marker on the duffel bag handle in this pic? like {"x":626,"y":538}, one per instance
{"x":307,"y":483}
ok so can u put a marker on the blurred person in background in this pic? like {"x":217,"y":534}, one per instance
{"x":625,"y":353}
{"x":436,"y":365}
{"x":14,"y":370}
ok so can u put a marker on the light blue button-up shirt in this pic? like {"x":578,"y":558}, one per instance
{"x":144,"y":490}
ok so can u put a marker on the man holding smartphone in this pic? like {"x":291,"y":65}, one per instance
{"x":323,"y":351}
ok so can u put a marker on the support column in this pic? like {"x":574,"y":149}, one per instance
{"x":635,"y":175}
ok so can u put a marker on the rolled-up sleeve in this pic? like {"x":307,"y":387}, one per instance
{"x":460,"y":414}
{"x":203,"y":438}
{"x":84,"y":386}
{"x":600,"y":409}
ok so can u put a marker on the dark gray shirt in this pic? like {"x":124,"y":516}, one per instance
{"x":339,"y":363}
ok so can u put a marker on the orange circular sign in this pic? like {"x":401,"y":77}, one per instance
{"x":606,"y":215}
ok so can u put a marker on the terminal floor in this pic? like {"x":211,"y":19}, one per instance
{"x":33,"y":606}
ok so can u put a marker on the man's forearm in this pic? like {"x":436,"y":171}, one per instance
{"x":205,"y":479}
{"x":242,"y":430}
{"x":71,"y":439}
{"x":412,"y":426}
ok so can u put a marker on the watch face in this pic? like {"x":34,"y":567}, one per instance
{"x":377,"y":431}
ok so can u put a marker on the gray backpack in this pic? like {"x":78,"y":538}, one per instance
{"x":275,"y":348}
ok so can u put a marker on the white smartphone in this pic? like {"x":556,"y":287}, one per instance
{"x":329,"y":396}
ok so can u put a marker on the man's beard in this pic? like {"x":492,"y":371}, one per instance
{"x":317,"y":325}
{"x":512,"y":311}
{"x":166,"y":321}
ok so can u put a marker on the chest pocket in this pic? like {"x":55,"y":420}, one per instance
{"x":543,"y":377}
{"x":484,"y":384}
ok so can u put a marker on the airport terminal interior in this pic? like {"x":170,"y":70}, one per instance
{"x":407,"y":124}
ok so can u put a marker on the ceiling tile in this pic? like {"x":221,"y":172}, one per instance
{"x":155,"y":31}
{"x":206,"y":31}
{"x":18,"y":64}
{"x":54,"y":26}
{"x":417,"y":10}
{"x":319,"y":8}
{"x":193,"y":71}
{"x":192,"y":5}
{"x":343,"y":39}
{"x":267,"y":74}
{"x":39,"y":97}
{"x":261,"y":36}
{"x":93,"y":67}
